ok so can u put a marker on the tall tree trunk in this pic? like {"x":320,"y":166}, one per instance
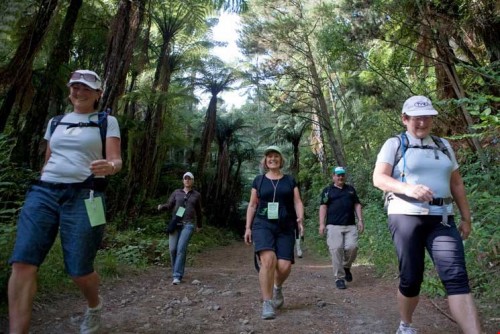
{"x":17,"y":73}
{"x":122,"y":38}
{"x":145,"y":159}
{"x":446,"y":56}
{"x":208,"y":133}
{"x":316,"y":142}
{"x":30,"y":136}
{"x":323,"y":115}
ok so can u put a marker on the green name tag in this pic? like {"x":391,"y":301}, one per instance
{"x":180,"y":211}
{"x":95,"y":211}
{"x":272,"y":210}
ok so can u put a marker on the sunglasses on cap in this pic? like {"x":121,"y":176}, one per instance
{"x":86,"y":76}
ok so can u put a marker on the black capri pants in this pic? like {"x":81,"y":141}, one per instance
{"x":411,"y":236}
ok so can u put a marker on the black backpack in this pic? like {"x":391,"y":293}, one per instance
{"x":102,"y":124}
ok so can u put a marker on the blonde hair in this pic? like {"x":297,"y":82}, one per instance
{"x":263,"y":164}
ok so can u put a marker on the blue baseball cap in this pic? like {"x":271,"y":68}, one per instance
{"x":338,"y":170}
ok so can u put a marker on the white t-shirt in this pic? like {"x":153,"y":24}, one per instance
{"x":420,"y":167}
{"x":73,"y":149}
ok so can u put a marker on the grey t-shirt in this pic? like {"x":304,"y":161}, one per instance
{"x":420,"y":167}
{"x":73,"y":149}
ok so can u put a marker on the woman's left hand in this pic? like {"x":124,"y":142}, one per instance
{"x":465,"y":228}
{"x":101,"y":167}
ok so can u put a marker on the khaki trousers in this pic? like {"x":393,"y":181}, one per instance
{"x":343,"y":245}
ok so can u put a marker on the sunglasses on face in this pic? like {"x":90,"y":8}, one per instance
{"x":188,"y":179}
{"x":86,"y":76}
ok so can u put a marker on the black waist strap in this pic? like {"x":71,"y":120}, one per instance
{"x":95,"y":184}
{"x":440,"y":201}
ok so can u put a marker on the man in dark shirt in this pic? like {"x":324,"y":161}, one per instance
{"x":339,"y":207}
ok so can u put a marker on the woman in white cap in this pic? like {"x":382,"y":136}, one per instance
{"x":274,"y":212}
{"x":69,"y":199}
{"x":421,"y":174}
{"x":185,"y":204}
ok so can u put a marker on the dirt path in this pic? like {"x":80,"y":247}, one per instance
{"x":220,"y":294}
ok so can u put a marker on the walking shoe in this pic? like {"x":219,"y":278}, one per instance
{"x":278,"y":298}
{"x":92,"y":319}
{"x":268,"y":310}
{"x":176,"y":281}
{"x":348,"y":274}
{"x":340,"y":284}
{"x":406,"y":329}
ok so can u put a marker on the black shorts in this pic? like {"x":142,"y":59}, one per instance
{"x":272,"y":236}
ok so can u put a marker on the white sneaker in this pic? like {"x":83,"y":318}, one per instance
{"x":278,"y":299}
{"x":268,"y":310}
{"x":92,"y":319}
{"x":406,"y":329}
{"x":176,"y":281}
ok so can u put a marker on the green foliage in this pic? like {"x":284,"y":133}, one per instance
{"x":14,"y":181}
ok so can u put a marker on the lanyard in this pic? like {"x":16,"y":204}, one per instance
{"x":274,"y":186}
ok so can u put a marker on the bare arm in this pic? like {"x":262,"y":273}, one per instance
{"x":322,"y":217}
{"x":113,"y":162}
{"x":252,"y":207}
{"x":458,"y":192}
{"x":359,"y":213}
{"x":383,"y":180}
{"x":299,"y":210}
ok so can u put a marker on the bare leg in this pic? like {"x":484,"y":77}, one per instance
{"x":464,"y":312}
{"x":22,"y":289}
{"x":283,"y":270}
{"x":407,"y":306}
{"x":89,"y":286}
{"x":266,"y":273}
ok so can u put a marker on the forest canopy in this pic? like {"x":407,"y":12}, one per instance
{"x":325,"y":80}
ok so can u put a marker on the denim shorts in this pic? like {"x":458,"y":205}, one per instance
{"x":272,"y":236}
{"x":48,"y":211}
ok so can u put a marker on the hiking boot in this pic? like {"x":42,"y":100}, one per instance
{"x":268,"y":310}
{"x":176,"y":281}
{"x":348,"y":274}
{"x":340,"y":283}
{"x":92,"y":319}
{"x":278,"y":298}
{"x":406,"y":329}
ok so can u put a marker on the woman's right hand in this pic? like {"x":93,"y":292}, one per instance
{"x":419,"y":192}
{"x":248,"y":236}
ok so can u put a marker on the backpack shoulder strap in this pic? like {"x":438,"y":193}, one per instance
{"x":55,"y":122}
{"x":403,"y":145}
{"x":440,"y":144}
{"x":102,"y":121}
